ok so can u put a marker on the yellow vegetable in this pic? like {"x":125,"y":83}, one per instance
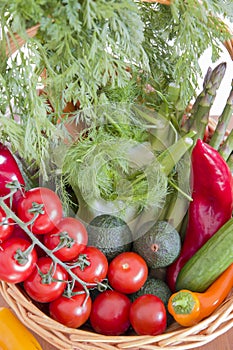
{"x":13,"y":334}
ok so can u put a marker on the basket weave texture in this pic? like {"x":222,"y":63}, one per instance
{"x":64,"y":338}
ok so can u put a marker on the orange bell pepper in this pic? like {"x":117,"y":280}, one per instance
{"x":188,"y":308}
{"x":13,"y":334}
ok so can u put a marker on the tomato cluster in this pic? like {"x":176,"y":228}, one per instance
{"x":49,"y":255}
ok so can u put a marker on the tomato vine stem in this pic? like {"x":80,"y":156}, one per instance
{"x":35,"y":241}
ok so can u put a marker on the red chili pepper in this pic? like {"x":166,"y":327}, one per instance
{"x":211,"y":207}
{"x":9,"y":172}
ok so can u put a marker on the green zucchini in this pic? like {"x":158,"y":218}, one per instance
{"x":209,"y":261}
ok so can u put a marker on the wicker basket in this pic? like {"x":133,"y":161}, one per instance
{"x":64,"y":338}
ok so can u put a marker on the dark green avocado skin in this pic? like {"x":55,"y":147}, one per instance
{"x":156,"y":287}
{"x":110,"y":234}
{"x":159,"y":246}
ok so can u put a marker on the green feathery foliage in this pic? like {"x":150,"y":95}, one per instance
{"x":98,"y":52}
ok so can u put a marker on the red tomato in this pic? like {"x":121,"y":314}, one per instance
{"x":127,"y":272}
{"x":20,"y":233}
{"x":51,"y":209}
{"x":98,"y":268}
{"x":148,"y":315}
{"x":46,"y":290}
{"x":72,"y":312}
{"x":110,"y":313}
{"x":12,"y":268}
{"x":70,"y":231}
{"x":6,"y":227}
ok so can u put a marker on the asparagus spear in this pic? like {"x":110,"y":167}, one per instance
{"x":227,"y":147}
{"x":230,"y":162}
{"x":200,"y":112}
{"x":223,"y":122}
{"x":188,"y":123}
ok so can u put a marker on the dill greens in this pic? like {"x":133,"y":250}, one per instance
{"x":98,"y":52}
{"x":105,"y":166}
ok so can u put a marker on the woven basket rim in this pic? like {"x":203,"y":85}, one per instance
{"x":65,"y":338}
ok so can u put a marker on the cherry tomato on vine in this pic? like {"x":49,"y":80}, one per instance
{"x":46,"y":203}
{"x":71,"y":235}
{"x":148,"y":315}
{"x":6,"y":226}
{"x":97,"y":267}
{"x":17,"y":260}
{"x":110,"y":313}
{"x":47,"y":281}
{"x":127,"y":272}
{"x":20,"y":233}
{"x":72,"y":312}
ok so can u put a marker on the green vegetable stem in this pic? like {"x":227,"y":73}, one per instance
{"x":223,"y":122}
{"x":22,"y":256}
{"x":199,"y":116}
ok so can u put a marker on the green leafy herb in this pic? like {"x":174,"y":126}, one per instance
{"x":175,"y":38}
{"x":106,"y":165}
{"x":98,"y":52}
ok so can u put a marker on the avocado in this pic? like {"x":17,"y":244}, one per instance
{"x":159,"y":246}
{"x":156,"y":287}
{"x":110,"y":234}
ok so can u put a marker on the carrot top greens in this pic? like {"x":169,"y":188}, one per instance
{"x":97,"y":52}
